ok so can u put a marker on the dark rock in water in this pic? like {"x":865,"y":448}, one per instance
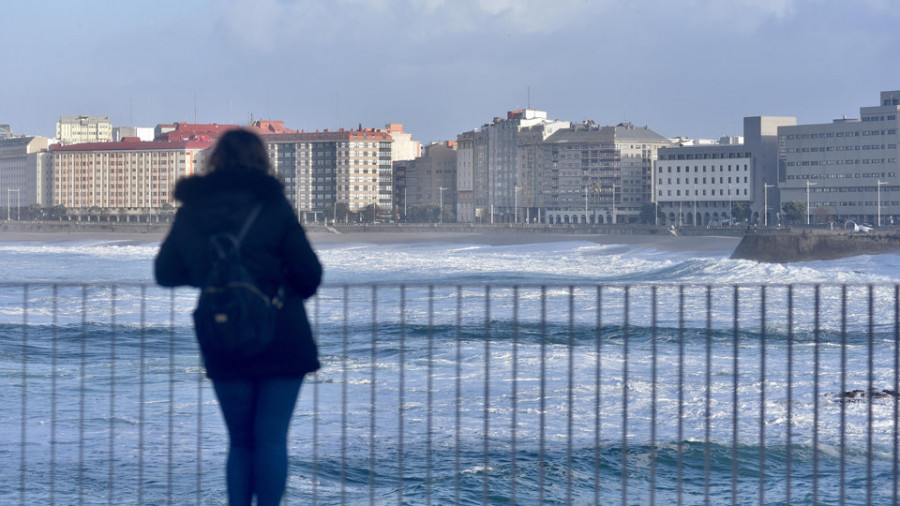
{"x":778,"y":245}
{"x":874,"y":393}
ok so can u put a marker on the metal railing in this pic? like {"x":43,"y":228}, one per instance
{"x":471,"y":394}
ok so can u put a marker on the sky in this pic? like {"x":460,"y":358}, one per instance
{"x":692,"y":68}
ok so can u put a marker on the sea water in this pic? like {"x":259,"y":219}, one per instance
{"x":133,"y":420}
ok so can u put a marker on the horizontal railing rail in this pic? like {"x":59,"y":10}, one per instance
{"x":471,"y":393}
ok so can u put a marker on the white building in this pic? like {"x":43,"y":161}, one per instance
{"x":701,"y":184}
{"x":22,"y":172}
{"x":403,"y":147}
{"x":847,"y":169}
{"x":145,"y":134}
{"x":82,"y":129}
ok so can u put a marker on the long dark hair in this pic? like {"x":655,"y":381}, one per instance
{"x":239,"y":150}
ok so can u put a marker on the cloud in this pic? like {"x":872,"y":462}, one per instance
{"x":265,"y":25}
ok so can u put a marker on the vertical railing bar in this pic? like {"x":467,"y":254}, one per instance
{"x":653,"y":393}
{"x":680,"y":463}
{"x":843,"y":425}
{"x":869,"y":415}
{"x":345,"y":364}
{"x":373,"y":391}
{"x":429,"y":401}
{"x":625,"y":345}
{"x":142,"y":398}
{"x":895,"y":461}
{"x":373,"y":395}
{"x":485,"y":484}
{"x":401,"y":389}
{"x":816,"y":366}
{"x":23,"y":434}
{"x":201,"y":380}
{"x":458,"y":408}
{"x":513,"y":454}
{"x":788,"y":462}
{"x":598,"y":347}
{"x":735,"y":378}
{"x":317,"y":312}
{"x":570,"y":394}
{"x":81,"y":394}
{"x":53,"y":369}
{"x":112,"y":397}
{"x":707,"y":456}
{"x":762,"y":399}
{"x":543,"y":397}
{"x":170,"y":458}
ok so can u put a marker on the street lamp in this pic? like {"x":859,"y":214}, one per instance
{"x":516,"y":189}
{"x":18,"y":202}
{"x":808,"y":184}
{"x":441,"y":209}
{"x":880,"y":183}
{"x":766,"y":203}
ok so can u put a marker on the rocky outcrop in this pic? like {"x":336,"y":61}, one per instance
{"x":783,"y":246}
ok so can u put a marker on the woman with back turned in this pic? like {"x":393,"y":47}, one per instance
{"x":257,"y":395}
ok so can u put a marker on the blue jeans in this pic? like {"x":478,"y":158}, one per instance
{"x":258,"y":414}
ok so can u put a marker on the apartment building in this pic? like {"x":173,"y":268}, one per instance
{"x":597,"y":174}
{"x":429,"y":179}
{"x":23,"y":175}
{"x":847,"y":169}
{"x":323,"y":169}
{"x":125,"y":178}
{"x":83,"y":129}
{"x":496,"y":165}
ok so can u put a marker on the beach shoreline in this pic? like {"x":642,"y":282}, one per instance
{"x":325,"y":239}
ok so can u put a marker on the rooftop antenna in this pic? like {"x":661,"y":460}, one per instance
{"x":337,"y":109}
{"x":529,"y":97}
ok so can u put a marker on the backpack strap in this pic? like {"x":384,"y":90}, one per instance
{"x":247,"y":224}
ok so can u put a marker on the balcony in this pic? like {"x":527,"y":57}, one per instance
{"x":449,"y":394}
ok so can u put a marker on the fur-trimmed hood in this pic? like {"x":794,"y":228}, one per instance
{"x":258,"y":184}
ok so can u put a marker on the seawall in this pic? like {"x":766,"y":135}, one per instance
{"x":786,"y":245}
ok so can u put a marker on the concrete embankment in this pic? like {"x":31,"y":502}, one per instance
{"x":783,"y":246}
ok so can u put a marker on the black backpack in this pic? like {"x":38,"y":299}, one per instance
{"x":233,"y":316}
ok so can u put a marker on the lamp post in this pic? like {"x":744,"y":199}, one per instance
{"x":766,"y":203}
{"x":614,"y":203}
{"x":441,"y":209}
{"x":880,"y":183}
{"x":9,"y":200}
{"x":808,"y":184}
{"x":516,"y":189}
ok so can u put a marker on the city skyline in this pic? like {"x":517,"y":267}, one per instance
{"x":442,"y":68}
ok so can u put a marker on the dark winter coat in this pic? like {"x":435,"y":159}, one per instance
{"x":275,"y":249}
